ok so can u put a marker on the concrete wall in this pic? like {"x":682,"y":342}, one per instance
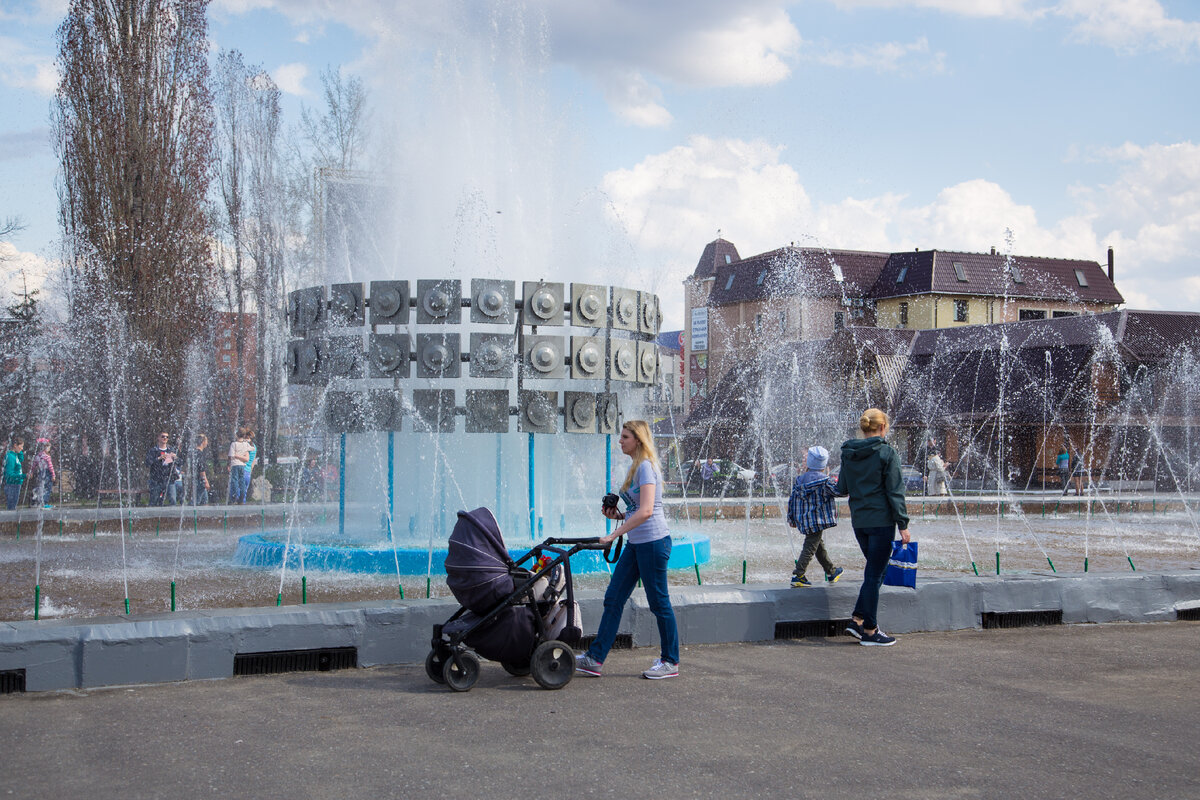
{"x":66,"y":654}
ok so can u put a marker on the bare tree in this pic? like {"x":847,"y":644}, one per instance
{"x":338,"y":136}
{"x":133,"y":125}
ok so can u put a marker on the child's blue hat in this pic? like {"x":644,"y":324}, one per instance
{"x":818,"y":457}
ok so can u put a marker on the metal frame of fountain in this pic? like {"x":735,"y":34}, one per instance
{"x":565,"y":360}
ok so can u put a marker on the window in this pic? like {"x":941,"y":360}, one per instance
{"x":839,"y":320}
{"x":762,"y":276}
{"x":729,"y":282}
{"x":961,"y":311}
{"x":225,"y":359}
{"x":1081,"y":278}
{"x":228,"y":345}
{"x":228,"y":332}
{"x":901,"y":275}
{"x":904,"y":315}
{"x":758,"y":323}
{"x":1031,"y":313}
{"x":1058,"y":314}
{"x":959,"y":272}
{"x":1016,"y":273}
{"x":782,"y":321}
{"x":837,"y":273}
{"x":728,"y":258}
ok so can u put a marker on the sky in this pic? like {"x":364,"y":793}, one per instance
{"x":610,"y":140}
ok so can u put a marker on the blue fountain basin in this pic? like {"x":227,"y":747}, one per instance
{"x":266,"y":551}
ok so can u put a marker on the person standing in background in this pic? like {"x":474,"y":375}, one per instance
{"x":200,"y":464}
{"x":14,"y":474}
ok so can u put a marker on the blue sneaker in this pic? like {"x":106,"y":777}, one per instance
{"x":877,"y":639}
{"x":800,"y":581}
{"x":855,"y":630}
{"x":833,"y":576}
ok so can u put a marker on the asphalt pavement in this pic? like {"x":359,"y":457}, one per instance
{"x":1081,"y":711}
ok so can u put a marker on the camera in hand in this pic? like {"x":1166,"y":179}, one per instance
{"x":610,"y":500}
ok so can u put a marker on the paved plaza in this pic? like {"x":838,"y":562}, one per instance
{"x":1079,"y":711}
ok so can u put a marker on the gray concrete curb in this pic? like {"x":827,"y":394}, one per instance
{"x":113,"y":651}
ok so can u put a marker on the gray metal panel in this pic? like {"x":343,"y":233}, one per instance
{"x":439,"y":355}
{"x":346,"y":302}
{"x":579,"y":412}
{"x":648,"y":313}
{"x":388,"y":355}
{"x":543,"y":357}
{"x":625,"y":309}
{"x":389,"y":302}
{"x":434,"y":410}
{"x":587,"y":357}
{"x":439,"y":301}
{"x":608,"y":413}
{"x":538,"y":412}
{"x":622,"y":365}
{"x":493,"y":301}
{"x":341,"y":357}
{"x":647,"y":362}
{"x":306,"y":309}
{"x":493,"y":355}
{"x":543,"y":303}
{"x":589,"y":305}
{"x":344,"y":412}
{"x":487,"y":411}
{"x":383,"y":410}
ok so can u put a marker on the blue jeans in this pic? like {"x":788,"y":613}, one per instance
{"x":647,"y":561}
{"x":237,"y":485}
{"x":12,"y":493}
{"x":876,"y":545}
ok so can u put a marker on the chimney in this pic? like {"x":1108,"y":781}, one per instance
{"x":993,"y":250}
{"x":1110,"y":264}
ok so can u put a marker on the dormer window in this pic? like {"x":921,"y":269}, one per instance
{"x":959,"y":272}
{"x":1081,"y":278}
{"x":762,"y":276}
{"x":728,"y":258}
{"x":837,"y":273}
{"x":1016,"y":274}
{"x":901,"y":275}
{"x":729,"y":282}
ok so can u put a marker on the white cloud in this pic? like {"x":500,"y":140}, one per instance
{"x":672,"y":203}
{"x":635,"y":100}
{"x":20,"y":271}
{"x":1012,"y":9}
{"x":885,"y":57}
{"x":23,"y":68}
{"x":1131,"y":25}
{"x":290,"y":78}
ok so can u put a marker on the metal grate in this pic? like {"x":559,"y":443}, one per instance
{"x":811,"y":628}
{"x":1187,"y":614}
{"x":295,"y":661}
{"x":12,"y":681}
{"x":624,"y":641}
{"x":1020,"y":619}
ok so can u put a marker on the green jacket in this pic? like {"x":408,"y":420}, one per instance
{"x":870,"y":474}
{"x":12,"y":468}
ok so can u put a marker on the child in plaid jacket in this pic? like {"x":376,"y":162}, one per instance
{"x":811,"y":510}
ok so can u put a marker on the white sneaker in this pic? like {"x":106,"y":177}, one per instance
{"x":661,"y":669}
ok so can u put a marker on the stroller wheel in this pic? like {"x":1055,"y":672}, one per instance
{"x":515,"y":669}
{"x":435,"y":662}
{"x":461,"y":675}
{"x":553,"y":664}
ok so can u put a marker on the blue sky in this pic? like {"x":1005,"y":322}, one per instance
{"x":610,"y":140}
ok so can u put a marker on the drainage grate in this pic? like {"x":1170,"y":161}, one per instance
{"x":295,"y":661}
{"x":12,"y":681}
{"x":1188,"y":614}
{"x":624,"y":641}
{"x":1021,"y":619}
{"x":811,"y":628}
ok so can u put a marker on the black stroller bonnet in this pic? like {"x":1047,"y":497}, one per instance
{"x":477,"y":562}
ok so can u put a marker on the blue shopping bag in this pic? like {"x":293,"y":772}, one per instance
{"x":902,"y":566}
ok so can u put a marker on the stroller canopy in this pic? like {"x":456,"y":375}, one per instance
{"x":477,"y":562}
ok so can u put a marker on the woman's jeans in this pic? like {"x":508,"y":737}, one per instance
{"x":237,"y":485}
{"x":12,"y":493}
{"x":647,"y":561}
{"x":876,"y":546}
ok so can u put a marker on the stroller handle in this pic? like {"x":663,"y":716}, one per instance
{"x":612,"y":550}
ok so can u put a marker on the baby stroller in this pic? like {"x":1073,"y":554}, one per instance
{"x":525,"y":617}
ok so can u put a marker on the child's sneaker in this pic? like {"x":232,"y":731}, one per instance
{"x":833,"y":576}
{"x":855,"y":630}
{"x":878,"y":639}
{"x":800,"y":581}
{"x":661,"y":669}
{"x":587,"y":665}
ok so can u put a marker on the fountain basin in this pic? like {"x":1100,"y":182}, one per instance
{"x":266,"y":551}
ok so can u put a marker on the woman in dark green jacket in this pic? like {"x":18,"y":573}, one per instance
{"x":870,"y":474}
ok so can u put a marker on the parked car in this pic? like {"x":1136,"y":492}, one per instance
{"x":729,"y":479}
{"x":913,"y":480}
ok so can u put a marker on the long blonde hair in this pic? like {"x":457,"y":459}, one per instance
{"x":872,"y":422}
{"x":645,"y":452}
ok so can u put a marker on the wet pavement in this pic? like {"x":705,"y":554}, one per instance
{"x":1077,"y":711}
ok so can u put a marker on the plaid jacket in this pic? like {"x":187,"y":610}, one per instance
{"x":810,"y":506}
